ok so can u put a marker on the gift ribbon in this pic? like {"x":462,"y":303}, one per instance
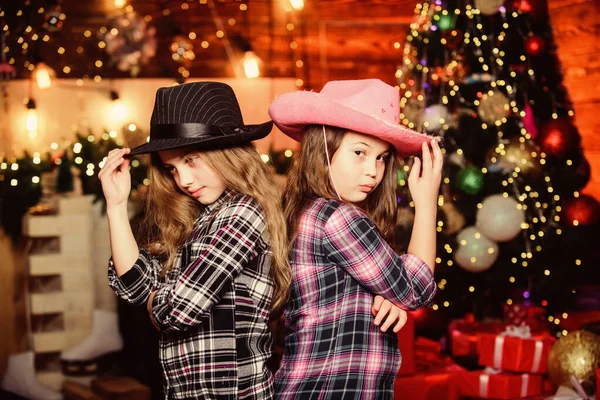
{"x":484,"y":382}
{"x":522,"y":332}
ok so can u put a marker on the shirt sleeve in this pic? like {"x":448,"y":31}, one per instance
{"x":135,"y":285}
{"x":353,"y":242}
{"x":218,"y":258}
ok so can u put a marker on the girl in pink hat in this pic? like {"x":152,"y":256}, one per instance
{"x":349,"y":286}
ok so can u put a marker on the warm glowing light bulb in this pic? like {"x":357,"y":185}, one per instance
{"x":297,"y":4}
{"x":43,"y":75}
{"x":251,"y":64}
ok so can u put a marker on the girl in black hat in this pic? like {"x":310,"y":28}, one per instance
{"x":214,"y":262}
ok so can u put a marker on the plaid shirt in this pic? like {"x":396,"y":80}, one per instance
{"x":333,"y":350}
{"x":213,"y":307}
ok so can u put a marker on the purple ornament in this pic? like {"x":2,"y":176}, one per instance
{"x":529,"y":122}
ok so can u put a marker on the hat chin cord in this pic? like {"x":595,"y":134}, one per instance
{"x":329,"y":164}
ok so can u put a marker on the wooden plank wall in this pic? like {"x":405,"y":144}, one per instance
{"x":576,"y":26}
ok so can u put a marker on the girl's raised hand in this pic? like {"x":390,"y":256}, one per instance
{"x":384,"y":311}
{"x":426,"y":175}
{"x":115,"y":178}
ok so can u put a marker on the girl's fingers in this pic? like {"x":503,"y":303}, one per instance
{"x":415,"y":171}
{"x":377,"y":304}
{"x":426,"y":159}
{"x":402,"y":318}
{"x":438,"y":160}
{"x":392,"y":317}
{"x":383,"y":311}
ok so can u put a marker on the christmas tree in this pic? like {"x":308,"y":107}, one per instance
{"x":513,"y":228}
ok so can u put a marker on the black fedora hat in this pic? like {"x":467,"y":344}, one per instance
{"x":205,"y":115}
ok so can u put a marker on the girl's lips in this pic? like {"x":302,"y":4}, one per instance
{"x":366,"y":188}
{"x":196,"y":192}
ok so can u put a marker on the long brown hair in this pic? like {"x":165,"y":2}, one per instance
{"x":170,"y":214}
{"x":309,"y":178}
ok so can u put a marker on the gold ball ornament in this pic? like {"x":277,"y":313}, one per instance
{"x":493,"y":107}
{"x":506,"y":157}
{"x":412,"y":111}
{"x":455,"y":221}
{"x":576,"y":354}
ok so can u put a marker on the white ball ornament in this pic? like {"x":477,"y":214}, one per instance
{"x":475,"y":252}
{"x":434,"y":117}
{"x":500,"y":218}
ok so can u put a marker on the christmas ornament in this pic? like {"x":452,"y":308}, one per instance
{"x":529,"y":122}
{"x":506,"y":157}
{"x":515,"y":313}
{"x":453,"y":38}
{"x":457,"y":159}
{"x":500,"y":218}
{"x":130,"y":42}
{"x":576,"y":354}
{"x":444,"y":21}
{"x":412,"y":111}
{"x":455,"y":71}
{"x":53,"y":20}
{"x":493,"y":107}
{"x":455,"y":221}
{"x":558,"y":137}
{"x":488,"y":7}
{"x":401,"y":176}
{"x":534,"y":46}
{"x":481,"y":77}
{"x":434,"y":117}
{"x":475,"y":252}
{"x":523,"y":5}
{"x":571,"y":178}
{"x":583,"y":210}
{"x":182,"y":50}
{"x":470,"y":180}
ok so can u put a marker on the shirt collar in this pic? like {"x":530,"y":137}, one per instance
{"x":225,"y":196}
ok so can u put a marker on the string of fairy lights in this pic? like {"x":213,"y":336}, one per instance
{"x":182,"y":50}
{"x":544,"y":215}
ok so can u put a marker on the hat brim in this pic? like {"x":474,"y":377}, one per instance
{"x":292,"y":112}
{"x":247,"y":134}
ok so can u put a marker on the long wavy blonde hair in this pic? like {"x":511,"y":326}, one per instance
{"x":170,"y":214}
{"x":309,"y":178}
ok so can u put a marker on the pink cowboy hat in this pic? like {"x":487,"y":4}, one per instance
{"x":368,"y":106}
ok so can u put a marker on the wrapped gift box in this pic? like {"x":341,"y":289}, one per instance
{"x":515,"y":354}
{"x":428,"y":385}
{"x":485,"y":385}
{"x":463,"y":335}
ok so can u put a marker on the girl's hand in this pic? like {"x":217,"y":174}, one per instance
{"x":115,"y":178}
{"x":149,"y":308}
{"x":384,"y":309}
{"x":424,"y":185}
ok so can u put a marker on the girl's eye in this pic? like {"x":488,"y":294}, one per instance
{"x":170,"y":169}
{"x":360,"y":152}
{"x":190,"y":159}
{"x":383,"y":157}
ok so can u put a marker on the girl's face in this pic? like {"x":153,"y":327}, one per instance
{"x":193,"y":175}
{"x":358,"y":165}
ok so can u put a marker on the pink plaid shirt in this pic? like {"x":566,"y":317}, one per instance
{"x":333,"y":350}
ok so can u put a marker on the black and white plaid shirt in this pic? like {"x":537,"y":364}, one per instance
{"x":213,"y":307}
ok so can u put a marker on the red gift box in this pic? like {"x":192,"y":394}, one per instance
{"x":515,"y":354}
{"x":406,"y":343}
{"x":464,"y":335}
{"x":496,"y":385}
{"x":431,"y":385}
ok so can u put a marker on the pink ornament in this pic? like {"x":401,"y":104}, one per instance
{"x":529,"y":122}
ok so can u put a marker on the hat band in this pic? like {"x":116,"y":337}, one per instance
{"x":187,"y":131}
